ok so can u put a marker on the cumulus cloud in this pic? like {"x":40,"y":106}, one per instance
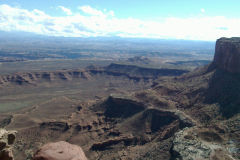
{"x":91,"y":11}
{"x":92,"y":22}
{"x":65,"y":10}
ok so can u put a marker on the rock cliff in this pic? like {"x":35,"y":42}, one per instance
{"x":227,"y":54}
{"x":116,"y":70}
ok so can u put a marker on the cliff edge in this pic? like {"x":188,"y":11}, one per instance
{"x":227,"y":54}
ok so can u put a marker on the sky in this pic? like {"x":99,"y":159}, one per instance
{"x":165,"y":19}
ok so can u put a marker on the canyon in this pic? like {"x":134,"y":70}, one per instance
{"x":129,"y":112}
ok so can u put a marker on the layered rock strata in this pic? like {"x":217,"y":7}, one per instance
{"x":227,"y":54}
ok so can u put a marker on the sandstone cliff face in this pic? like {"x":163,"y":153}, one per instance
{"x":117,"y":70}
{"x":60,"y":151}
{"x":227,"y":54}
{"x":6,"y":141}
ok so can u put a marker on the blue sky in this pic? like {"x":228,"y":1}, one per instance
{"x":147,"y":9}
{"x":180,"y":19}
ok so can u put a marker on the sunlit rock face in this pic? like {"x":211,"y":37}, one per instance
{"x":227,"y":54}
{"x":60,"y":151}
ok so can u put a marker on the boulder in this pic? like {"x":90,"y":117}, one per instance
{"x":60,"y":151}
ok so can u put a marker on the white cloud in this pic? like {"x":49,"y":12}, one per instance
{"x":91,"y":11}
{"x":93,"y":22}
{"x":111,"y":13}
{"x":203,"y":10}
{"x":66,"y":10}
{"x":94,"y":12}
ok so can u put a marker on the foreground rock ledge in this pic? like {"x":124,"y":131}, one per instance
{"x":60,"y":151}
{"x":6,"y":141}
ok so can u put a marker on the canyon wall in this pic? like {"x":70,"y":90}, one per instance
{"x":227,"y":54}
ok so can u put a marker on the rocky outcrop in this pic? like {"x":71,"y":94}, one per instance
{"x":36,"y":77}
{"x":60,"y":151}
{"x":100,"y":146}
{"x":55,"y":126}
{"x":136,"y":71}
{"x":227,"y":54}
{"x":6,"y":141}
{"x":121,"y":108}
{"x":117,"y":70}
{"x":189,"y":145}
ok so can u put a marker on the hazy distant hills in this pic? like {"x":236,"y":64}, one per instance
{"x":25,"y":46}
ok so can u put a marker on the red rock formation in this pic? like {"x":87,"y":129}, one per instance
{"x":60,"y":151}
{"x":227,"y":54}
